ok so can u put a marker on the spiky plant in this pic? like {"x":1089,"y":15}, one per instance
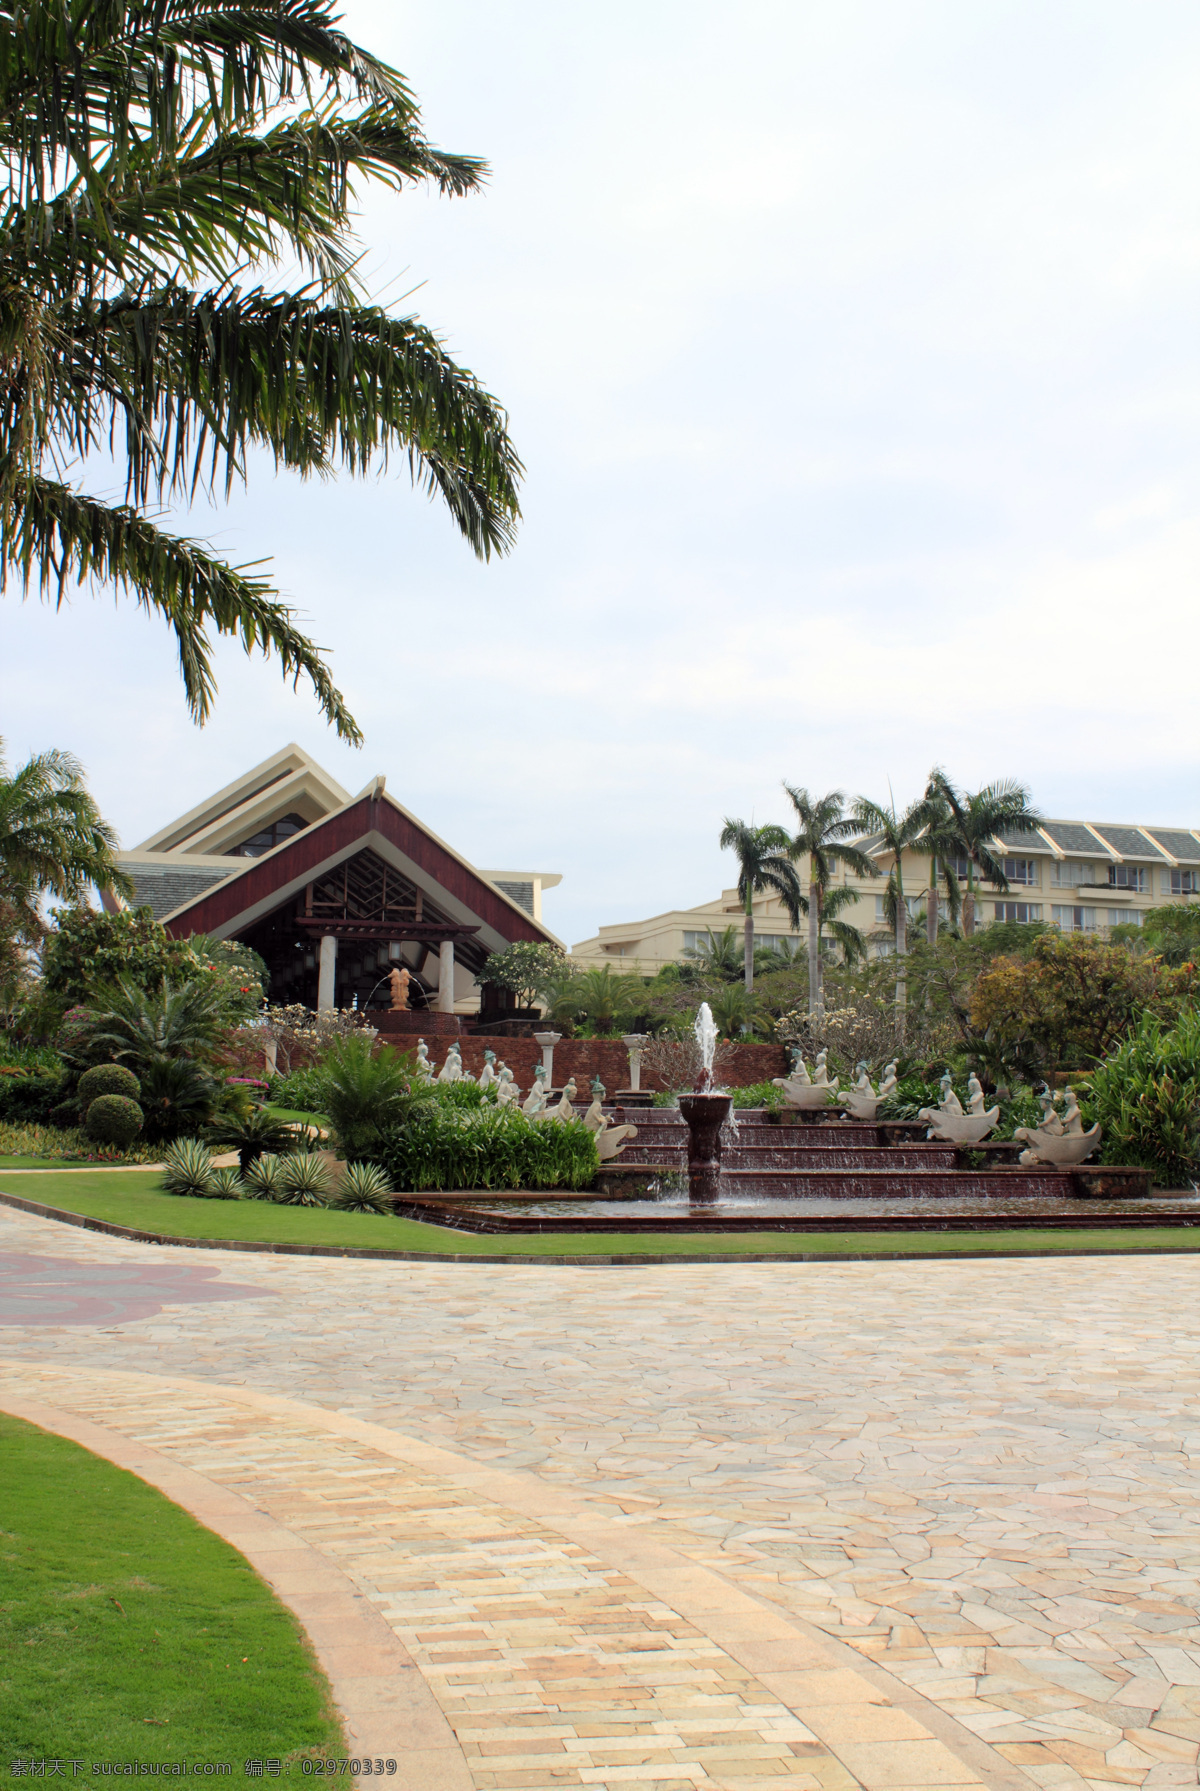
{"x":188,"y":1168}
{"x":264,"y":1178}
{"x":304,"y":1181}
{"x":365,"y":1189}
{"x":225,"y":1184}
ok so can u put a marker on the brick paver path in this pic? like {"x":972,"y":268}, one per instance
{"x":798,"y":1525}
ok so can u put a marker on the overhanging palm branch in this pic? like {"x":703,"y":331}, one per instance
{"x":53,"y":839}
{"x":143,"y":156}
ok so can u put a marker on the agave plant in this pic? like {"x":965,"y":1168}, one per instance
{"x":304,"y":1181}
{"x":366,"y":1189}
{"x":264,"y":1178}
{"x":188,"y":1168}
{"x":225,"y":1184}
{"x":251,"y":1135}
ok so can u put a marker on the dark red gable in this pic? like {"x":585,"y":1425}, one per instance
{"x":345,"y":830}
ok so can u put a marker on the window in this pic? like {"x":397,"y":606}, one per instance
{"x":1018,"y":910}
{"x":1128,"y":876}
{"x":1022,"y":870}
{"x":1071,"y":873}
{"x":1074,"y":920}
{"x":269,"y":837}
{"x":1181,"y":882}
{"x":1124,"y":917}
{"x":912,"y":903}
{"x":960,"y":867}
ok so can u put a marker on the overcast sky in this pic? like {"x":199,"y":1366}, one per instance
{"x":852,"y":352}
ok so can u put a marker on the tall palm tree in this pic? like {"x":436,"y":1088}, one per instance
{"x":977,"y":821}
{"x":895,"y":832}
{"x":823,"y":836}
{"x":942,"y":843}
{"x":764,"y":863}
{"x":53,"y":839}
{"x":162,"y":156}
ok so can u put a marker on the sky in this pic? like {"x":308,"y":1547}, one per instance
{"x":852,"y":354}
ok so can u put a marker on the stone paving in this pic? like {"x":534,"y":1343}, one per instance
{"x":939,"y":1518}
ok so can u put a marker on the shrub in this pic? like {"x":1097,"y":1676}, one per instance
{"x":67,"y":1114}
{"x":304,"y":1181}
{"x":252,"y":1135}
{"x":59,"y":1145}
{"x":494,"y":1148}
{"x":224,"y":1184}
{"x":366,"y":1189}
{"x":113,"y":1119}
{"x":188,"y":1167}
{"x":30,"y":1100}
{"x":264,"y":1177}
{"x":368,"y":1092}
{"x":303,"y":1091}
{"x":1146,"y":1097}
{"x":107,"y":1079}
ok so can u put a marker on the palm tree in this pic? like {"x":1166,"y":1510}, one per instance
{"x":718,"y":954}
{"x":851,"y":940}
{"x":764,"y":863}
{"x":976,"y":821}
{"x":53,"y":840}
{"x":895,"y":831}
{"x":823,"y":837}
{"x":942,"y":843}
{"x":605,"y":998}
{"x":161,"y":159}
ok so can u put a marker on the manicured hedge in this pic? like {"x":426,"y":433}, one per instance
{"x":493,"y":1147}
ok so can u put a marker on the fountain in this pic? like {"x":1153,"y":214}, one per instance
{"x":705,"y":1114}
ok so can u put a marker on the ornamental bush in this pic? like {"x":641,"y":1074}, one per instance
{"x":1146,"y":1097}
{"x":107,"y":1079}
{"x":495,"y":1147}
{"x":113,"y":1119}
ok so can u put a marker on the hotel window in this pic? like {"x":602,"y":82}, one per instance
{"x":1071,"y":873}
{"x":1128,"y":876}
{"x":1181,"y":882}
{"x":1124,"y":917}
{"x":912,"y":903}
{"x":1074,"y":920}
{"x":269,"y":838}
{"x":1018,"y":910}
{"x":960,"y":866}
{"x":1021,"y":870}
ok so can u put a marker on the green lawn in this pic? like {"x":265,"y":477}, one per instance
{"x":129,"y":1632}
{"x":132,"y":1197}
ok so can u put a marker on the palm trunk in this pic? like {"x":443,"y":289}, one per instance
{"x":749,"y":959}
{"x":931,"y":904}
{"x":968,"y":911}
{"x":901,"y":956}
{"x":814,"y":951}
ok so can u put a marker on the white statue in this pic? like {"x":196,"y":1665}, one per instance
{"x":888,"y":1086}
{"x":950,"y":1125}
{"x":975,"y":1096}
{"x":821,"y":1075}
{"x":564,"y":1109}
{"x":535,"y":1100}
{"x":451,"y":1070}
{"x":507,"y":1092}
{"x":1048,"y":1121}
{"x":1060,"y":1141}
{"x":594,"y":1118}
{"x":862,"y":1101}
{"x":1072,"y":1118}
{"x":487,"y":1074}
{"x":802,"y":1091}
{"x":424,"y":1067}
{"x":610,"y":1140}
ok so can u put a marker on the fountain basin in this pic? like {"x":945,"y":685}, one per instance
{"x":704,"y":1115}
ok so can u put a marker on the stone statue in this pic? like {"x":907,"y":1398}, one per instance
{"x":610,"y":1140}
{"x":888,"y":1086}
{"x":598,"y":1089}
{"x":507,"y":1092}
{"x":424,"y":1067}
{"x":564,"y":1109}
{"x":487,"y":1074}
{"x":821,"y":1072}
{"x":804,"y":1092}
{"x":975,"y":1095}
{"x":451,"y":1070}
{"x":950,"y":1125}
{"x":1072,"y":1118}
{"x":1048,"y":1121}
{"x":1058,"y":1140}
{"x":862,"y":1101}
{"x":535,"y":1100}
{"x":399,"y":979}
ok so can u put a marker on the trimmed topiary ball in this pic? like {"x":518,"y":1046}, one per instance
{"x":107,"y":1079}
{"x":112,"y":1119}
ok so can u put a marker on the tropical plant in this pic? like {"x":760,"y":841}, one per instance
{"x":303,"y":1181}
{"x":156,"y":157}
{"x":53,"y":839}
{"x":524,"y":968}
{"x":224,"y":1184}
{"x":734,"y":1010}
{"x":496,"y":1147}
{"x":824,"y":834}
{"x":263,"y":1177}
{"x":187,"y":1168}
{"x":764,"y":863}
{"x":178,"y":1096}
{"x":606,"y":999}
{"x":113,"y":1119}
{"x":1146,"y":1097}
{"x":140,"y":1026}
{"x":1173,"y":932}
{"x":894,"y":831}
{"x":972,"y":824}
{"x":300,"y":1033}
{"x":718,"y":955}
{"x":365,"y":1189}
{"x":86,"y":951}
{"x":107,"y":1079}
{"x":252,"y":1135}
{"x":368,"y":1091}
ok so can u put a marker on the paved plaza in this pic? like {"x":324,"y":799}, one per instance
{"x":794,"y":1525}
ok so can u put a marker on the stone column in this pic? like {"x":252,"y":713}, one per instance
{"x":446,"y":977}
{"x":548,"y":1040}
{"x":326,"y":983}
{"x":633,"y":1042}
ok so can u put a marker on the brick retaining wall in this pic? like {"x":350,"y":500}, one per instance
{"x":607,"y":1058}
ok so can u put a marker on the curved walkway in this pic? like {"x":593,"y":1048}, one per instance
{"x":801,"y":1525}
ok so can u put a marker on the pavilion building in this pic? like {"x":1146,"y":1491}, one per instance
{"x":334,"y":891}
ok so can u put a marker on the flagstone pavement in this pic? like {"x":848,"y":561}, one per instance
{"x":787,"y":1525}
